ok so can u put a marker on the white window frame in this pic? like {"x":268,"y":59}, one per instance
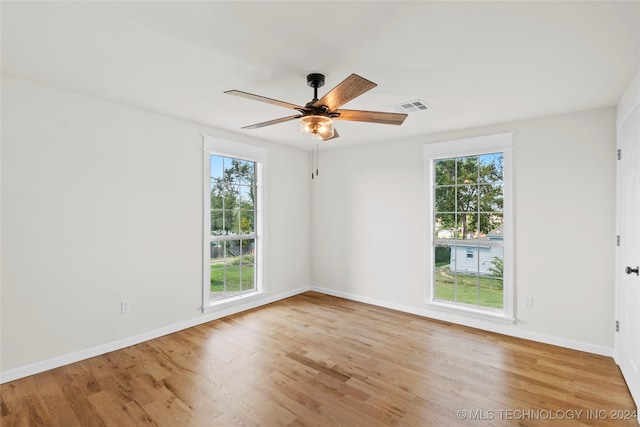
{"x":226,"y":148}
{"x":497,"y":143}
{"x":470,"y":253}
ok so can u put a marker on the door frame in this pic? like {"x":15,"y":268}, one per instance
{"x":628,"y":103}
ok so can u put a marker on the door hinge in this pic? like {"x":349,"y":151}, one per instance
{"x":619,"y":154}
{"x":617,"y":326}
{"x":618,"y":240}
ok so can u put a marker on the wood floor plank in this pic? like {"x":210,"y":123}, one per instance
{"x":318,"y":360}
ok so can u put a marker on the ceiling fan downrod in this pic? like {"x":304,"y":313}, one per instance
{"x":315,"y":80}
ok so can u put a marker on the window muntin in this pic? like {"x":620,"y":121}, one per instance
{"x":233,"y":208}
{"x":233,"y":223}
{"x":469,"y":225}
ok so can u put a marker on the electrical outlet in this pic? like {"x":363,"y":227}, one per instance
{"x":528,"y":303}
{"x":125,"y":306}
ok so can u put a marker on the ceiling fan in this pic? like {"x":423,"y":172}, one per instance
{"x":317,"y":116}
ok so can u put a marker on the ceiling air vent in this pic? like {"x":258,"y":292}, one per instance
{"x":411,"y":106}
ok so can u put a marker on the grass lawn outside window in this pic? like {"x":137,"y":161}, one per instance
{"x":467,"y":289}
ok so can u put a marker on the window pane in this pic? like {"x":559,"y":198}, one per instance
{"x":491,"y":198}
{"x":445,"y":199}
{"x":246,"y":172}
{"x":444,"y":281}
{"x":445,"y":226}
{"x":233,"y":249}
{"x":216,"y":166}
{"x":230,"y":170}
{"x":466,"y":226}
{"x":247,"y":277}
{"x":217,"y":252}
{"x":495,"y":268}
{"x":466,"y":260}
{"x":217,"y":222}
{"x":491,"y":167}
{"x":232,"y":267}
{"x":490,"y":293}
{"x":445,"y":171}
{"x":473,"y":231}
{"x":497,"y":219}
{"x":485,"y":225}
{"x":217,"y":266}
{"x":467,"y":170}
{"x":247,"y":250}
{"x":233,"y":280}
{"x":231,"y":221}
{"x":217,"y":280}
{"x":467,"y":198}
{"x":247,"y":225}
{"x":467,"y":289}
{"x":245,"y":200}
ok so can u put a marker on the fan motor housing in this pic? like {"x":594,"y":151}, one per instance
{"x":315,"y":80}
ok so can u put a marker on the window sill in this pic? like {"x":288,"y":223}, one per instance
{"x":496,"y":316}
{"x":235,"y":300}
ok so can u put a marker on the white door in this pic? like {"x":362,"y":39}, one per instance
{"x":628,"y":339}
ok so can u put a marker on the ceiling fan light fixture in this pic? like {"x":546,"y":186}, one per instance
{"x":316,"y":117}
{"x":320,"y":126}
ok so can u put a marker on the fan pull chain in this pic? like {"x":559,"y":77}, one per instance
{"x":314,"y":162}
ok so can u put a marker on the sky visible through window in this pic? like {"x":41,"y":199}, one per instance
{"x":216,"y":166}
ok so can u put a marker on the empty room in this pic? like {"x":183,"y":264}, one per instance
{"x":305,"y":213}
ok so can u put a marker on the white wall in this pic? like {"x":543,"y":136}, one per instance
{"x":629,"y":98}
{"x":368,"y":224}
{"x":102,"y":202}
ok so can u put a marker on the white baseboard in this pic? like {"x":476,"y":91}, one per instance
{"x":485,"y":325}
{"x":56,"y":362}
{"x":77,"y":356}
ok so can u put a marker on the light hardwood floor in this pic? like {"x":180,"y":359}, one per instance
{"x":317,"y":360}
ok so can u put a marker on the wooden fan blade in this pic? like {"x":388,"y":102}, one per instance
{"x":273,"y":122}
{"x":371,"y":116}
{"x":264,"y":99}
{"x":335,"y":135}
{"x":350,"y":88}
